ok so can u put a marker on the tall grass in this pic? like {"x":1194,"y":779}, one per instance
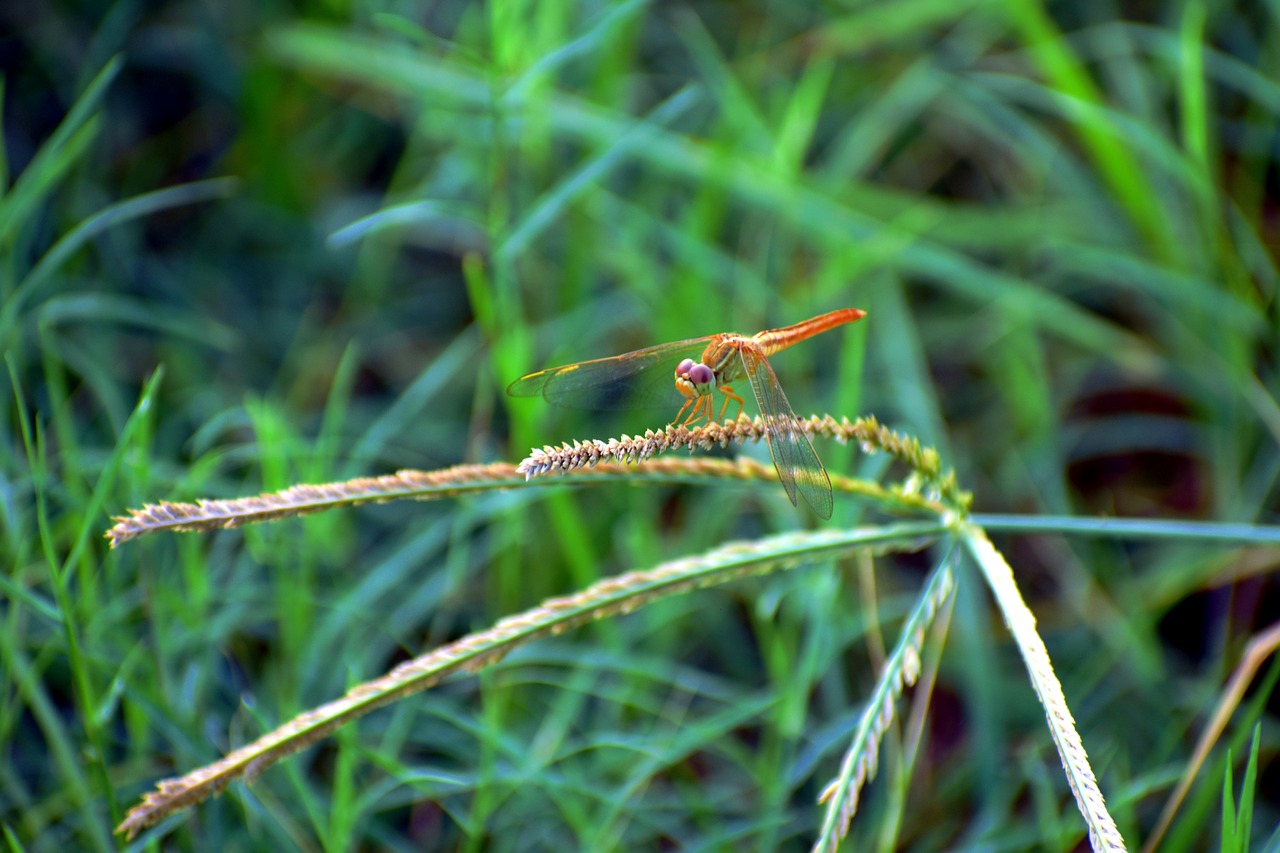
{"x":280,"y":246}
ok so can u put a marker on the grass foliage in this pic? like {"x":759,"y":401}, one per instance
{"x":247,"y":246}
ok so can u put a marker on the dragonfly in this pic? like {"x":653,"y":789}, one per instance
{"x":702,"y":367}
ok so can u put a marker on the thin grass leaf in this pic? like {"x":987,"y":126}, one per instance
{"x":62,"y":580}
{"x":30,"y":687}
{"x":888,"y":27}
{"x":1231,"y":841}
{"x":56,"y":155}
{"x":716,"y":267}
{"x":804,"y":110}
{"x":1107,"y":145}
{"x":747,"y":127}
{"x":15,"y":844}
{"x":1129,"y":528}
{"x":121,"y":212}
{"x":1193,"y":97}
{"x":594,"y":38}
{"x":1160,"y":153}
{"x":449,"y":225}
{"x":100,"y":308}
{"x":687,"y":742}
{"x":108,"y":217}
{"x":413,"y":402}
{"x":1248,"y":790}
{"x":544,"y":212}
{"x":4,"y":149}
{"x":62,"y":740}
{"x":916,"y":395}
{"x":1181,"y":291}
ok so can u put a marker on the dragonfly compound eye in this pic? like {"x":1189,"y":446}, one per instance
{"x":684,"y":367}
{"x":700,"y":374}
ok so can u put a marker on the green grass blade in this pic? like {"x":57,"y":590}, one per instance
{"x":57,"y":155}
{"x":1105,"y":142}
{"x":1129,"y":528}
{"x":109,"y":217}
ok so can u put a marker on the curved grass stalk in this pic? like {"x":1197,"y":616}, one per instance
{"x":610,"y":597}
{"x":929,"y":489}
{"x":1103,"y":834}
{"x":208,"y":515}
{"x":900,"y":671}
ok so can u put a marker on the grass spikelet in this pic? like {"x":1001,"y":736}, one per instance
{"x":930,"y":485}
{"x":217,"y":514}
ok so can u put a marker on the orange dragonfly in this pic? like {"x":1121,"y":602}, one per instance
{"x":703,"y":366}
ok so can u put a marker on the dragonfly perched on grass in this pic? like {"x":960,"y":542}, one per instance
{"x":702,"y":367}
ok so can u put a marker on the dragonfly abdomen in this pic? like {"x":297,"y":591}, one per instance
{"x":775,"y":340}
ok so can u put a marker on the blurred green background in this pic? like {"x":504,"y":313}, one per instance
{"x":337,"y":231}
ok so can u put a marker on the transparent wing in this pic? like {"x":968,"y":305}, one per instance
{"x":797,"y":463}
{"x":635,"y":380}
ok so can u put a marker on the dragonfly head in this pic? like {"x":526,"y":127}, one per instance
{"x":694,"y":380}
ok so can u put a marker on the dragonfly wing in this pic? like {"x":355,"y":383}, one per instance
{"x":641,"y":379}
{"x":797,"y":463}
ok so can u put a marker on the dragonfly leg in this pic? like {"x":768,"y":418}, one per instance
{"x":687,"y":403}
{"x":702,"y":408}
{"x":727,"y":390}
